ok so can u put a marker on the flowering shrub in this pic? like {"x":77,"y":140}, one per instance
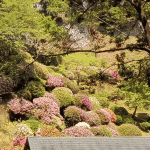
{"x":86,"y":102}
{"x":49,"y":131}
{"x":64,"y":95}
{"x":21,"y":106}
{"x":77,"y":132}
{"x":107,"y":115}
{"x":112,"y":114}
{"x":83,"y":124}
{"x":19,"y":141}
{"x":91,"y":118}
{"x":44,"y":108}
{"x":102,"y":116}
{"x":54,"y":81}
{"x":23,"y":130}
{"x":53,"y":97}
{"x":114,"y":75}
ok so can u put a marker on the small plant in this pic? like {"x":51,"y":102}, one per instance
{"x":77,"y":132}
{"x":129,"y":130}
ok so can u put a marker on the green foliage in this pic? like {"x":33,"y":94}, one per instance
{"x":71,"y":85}
{"x":103,"y":63}
{"x":128,"y":119}
{"x":119,"y":120}
{"x":101,"y":131}
{"x":36,"y":89}
{"x":33,"y":124}
{"x":25,"y":94}
{"x":72,"y":61}
{"x":64,"y":95}
{"x":119,"y":110}
{"x":145,"y":126}
{"x":129,"y":130}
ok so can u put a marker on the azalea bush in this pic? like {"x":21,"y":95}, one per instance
{"x":53,"y":97}
{"x":85,"y":101}
{"x":54,"y":81}
{"x":77,"y":132}
{"x":114,"y":75}
{"x":44,"y":108}
{"x":83,"y":124}
{"x":20,"y":106}
{"x":19,"y":141}
{"x":112,"y":114}
{"x":64,"y":95}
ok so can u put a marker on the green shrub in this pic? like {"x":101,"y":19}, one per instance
{"x":36,"y":89}
{"x":145,"y":126}
{"x":105,"y":102}
{"x":25,"y":94}
{"x":119,"y":110}
{"x":64,"y":95}
{"x":119,"y":120}
{"x":128,"y":119}
{"x":71,"y":85}
{"x":69,"y":74}
{"x":129,"y":130}
{"x":33,"y":124}
{"x":101,"y":131}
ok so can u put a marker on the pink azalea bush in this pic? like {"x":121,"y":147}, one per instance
{"x":76,"y":131}
{"x":91,"y":118}
{"x":114,"y":75}
{"x":115,"y":132}
{"x":54,"y":81}
{"x":44,"y":108}
{"x":107,"y":114}
{"x":53,"y":97}
{"x":19,"y":141}
{"x":21,"y":106}
{"x":85,"y":101}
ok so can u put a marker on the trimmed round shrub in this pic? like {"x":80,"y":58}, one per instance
{"x":33,"y":124}
{"x":104,"y":119}
{"x":119,"y":120}
{"x":112,"y":114}
{"x":94,"y":103}
{"x":53,"y":97}
{"x":49,"y":131}
{"x":64,"y":95}
{"x":127,"y":119}
{"x":119,"y":110}
{"x":54,"y":81}
{"x":44,"y":108}
{"x":129,"y":130}
{"x":101,"y":131}
{"x":77,"y":132}
{"x":92,"y":118}
{"x":85,"y":102}
{"x":69,"y":74}
{"x":71,"y":85}
{"x":36,"y":89}
{"x":73,"y":115}
{"x":145,"y":126}
{"x":20,"y":106}
{"x":77,"y":101}
{"x":83,"y":124}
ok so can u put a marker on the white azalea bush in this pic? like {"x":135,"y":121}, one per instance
{"x":83,"y":124}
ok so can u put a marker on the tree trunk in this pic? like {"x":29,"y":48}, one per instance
{"x":133,"y":116}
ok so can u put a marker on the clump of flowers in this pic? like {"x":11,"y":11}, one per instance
{"x":115,"y":133}
{"x":23,"y":130}
{"x":53,"y":97}
{"x":77,"y":132}
{"x":19,"y":141}
{"x":94,"y":102}
{"x":44,"y":108}
{"x":112,"y":114}
{"x":83,"y":124}
{"x":114,"y":75}
{"x":86,"y":102}
{"x":92,"y":118}
{"x":21,"y":106}
{"x":54,"y":81}
{"x":107,"y":115}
